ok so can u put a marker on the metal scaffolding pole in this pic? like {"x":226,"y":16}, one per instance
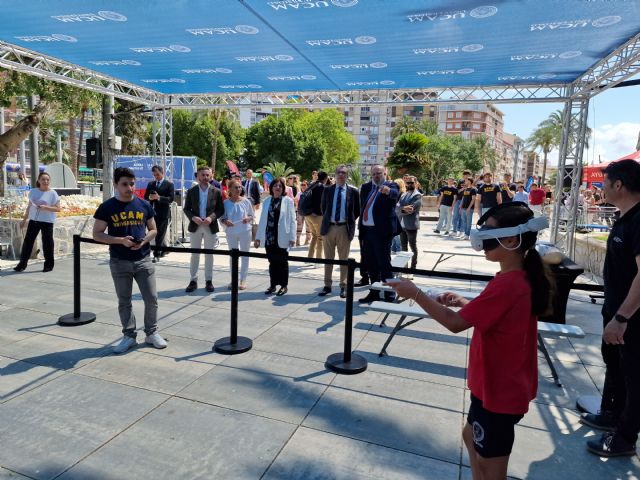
{"x":564,"y":220}
{"x":162,"y":132}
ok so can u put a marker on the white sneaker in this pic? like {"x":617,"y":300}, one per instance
{"x":125,"y":344}
{"x":466,"y":237}
{"x":156,"y":340}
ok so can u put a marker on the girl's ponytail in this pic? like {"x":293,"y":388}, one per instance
{"x":542,"y":286}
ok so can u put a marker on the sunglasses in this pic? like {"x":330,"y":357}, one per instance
{"x":409,"y":183}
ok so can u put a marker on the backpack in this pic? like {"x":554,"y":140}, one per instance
{"x":305,"y":203}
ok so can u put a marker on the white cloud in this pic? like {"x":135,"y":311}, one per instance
{"x":608,"y":142}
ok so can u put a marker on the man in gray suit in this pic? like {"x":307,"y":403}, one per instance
{"x":340,"y":206}
{"x":203,"y":206}
{"x":408,"y":211}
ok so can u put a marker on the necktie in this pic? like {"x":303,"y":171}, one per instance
{"x":338,"y":205}
{"x":372,"y":197}
{"x":158,"y":184}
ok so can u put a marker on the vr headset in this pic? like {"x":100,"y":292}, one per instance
{"x":487,"y":238}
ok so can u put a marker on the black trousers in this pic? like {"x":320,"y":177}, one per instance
{"x":278,"y":265}
{"x":621,"y":392}
{"x":33,"y":229}
{"x":376,"y":253}
{"x":408,"y":238}
{"x":363,"y":266}
{"x":161,"y":225}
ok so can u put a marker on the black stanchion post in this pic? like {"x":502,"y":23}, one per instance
{"x":77,"y":317}
{"x":347,"y":362}
{"x":233,"y":344}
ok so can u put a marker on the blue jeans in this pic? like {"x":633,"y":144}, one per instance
{"x":457,"y":217}
{"x":467,"y":218}
{"x":395,"y":244}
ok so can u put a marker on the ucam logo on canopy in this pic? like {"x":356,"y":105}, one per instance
{"x":358,"y":65}
{"x":362,"y":40}
{"x":471,"y":48}
{"x":244,"y":29}
{"x":546,"y":56}
{"x":54,"y":37}
{"x":132,"y":63}
{"x":241,"y":87}
{"x":164,"y":80}
{"x":169,"y":49}
{"x":265,"y":58}
{"x":384,"y":83}
{"x":207,"y":70}
{"x":460,"y":71}
{"x":581,"y":23}
{"x":483,"y":11}
{"x":293,"y":77}
{"x":101,"y":16}
{"x":307,"y":4}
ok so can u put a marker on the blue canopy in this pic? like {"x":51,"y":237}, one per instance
{"x":212,"y":46}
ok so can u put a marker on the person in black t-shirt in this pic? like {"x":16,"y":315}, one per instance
{"x":466,"y":206}
{"x":507,"y":188}
{"x":130,"y":227}
{"x":619,"y":413}
{"x":446,"y":198}
{"x":489,"y":194}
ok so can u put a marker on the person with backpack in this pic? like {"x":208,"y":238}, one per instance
{"x":310,"y":207}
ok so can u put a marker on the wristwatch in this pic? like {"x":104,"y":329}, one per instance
{"x":620,"y":318}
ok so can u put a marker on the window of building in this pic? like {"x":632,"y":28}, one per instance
{"x":458,"y":126}
{"x":458,"y":114}
{"x":449,"y":114}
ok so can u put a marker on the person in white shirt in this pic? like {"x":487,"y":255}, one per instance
{"x":521,"y":195}
{"x":237,"y":221}
{"x":44,"y":203}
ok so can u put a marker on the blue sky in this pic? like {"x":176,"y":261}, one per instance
{"x":614,"y":117}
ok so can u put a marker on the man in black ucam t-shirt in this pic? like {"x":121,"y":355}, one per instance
{"x":488,"y":194}
{"x":130,"y":226}
{"x":507,"y":188}
{"x":447,"y":196}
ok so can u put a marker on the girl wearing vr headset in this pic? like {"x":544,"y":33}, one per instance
{"x":503,"y":365}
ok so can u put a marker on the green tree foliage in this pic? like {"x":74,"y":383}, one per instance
{"x":408,"y":124}
{"x":278,"y":169}
{"x":131,"y":125}
{"x":545,"y":139}
{"x":409,"y":153}
{"x":304,"y":141}
{"x":193,"y":134}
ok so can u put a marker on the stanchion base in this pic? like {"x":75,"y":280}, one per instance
{"x":225,"y":346}
{"x":589,"y":403}
{"x":335,"y":362}
{"x":69,"y":320}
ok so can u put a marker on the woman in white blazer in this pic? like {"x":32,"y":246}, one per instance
{"x":277,"y":233}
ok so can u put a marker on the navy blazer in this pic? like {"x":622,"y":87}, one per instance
{"x":384,"y":208}
{"x":352,"y":207}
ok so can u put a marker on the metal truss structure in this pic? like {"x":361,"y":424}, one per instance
{"x":162,"y":133}
{"x":565,"y":212}
{"x":621,"y":64}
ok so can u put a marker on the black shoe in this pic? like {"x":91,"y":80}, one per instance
{"x":19,"y":268}
{"x":611,"y":445}
{"x":436,"y":231}
{"x":362,"y":283}
{"x":209,"y":287}
{"x":270,"y":291}
{"x":282,"y":291}
{"x":191,"y":287}
{"x":371,"y":297}
{"x":601,"y":421}
{"x":343,"y":293}
{"x":155,"y":259}
{"x":325,"y":291}
{"x":47,"y":269}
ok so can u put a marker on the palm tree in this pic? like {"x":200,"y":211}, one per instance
{"x":278,"y":169}
{"x":544,"y":138}
{"x":408,"y":153}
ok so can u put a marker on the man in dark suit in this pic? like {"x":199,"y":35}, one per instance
{"x":340,"y":206}
{"x":252,"y":189}
{"x":160,"y":193}
{"x":314,"y":221}
{"x":203,"y":206}
{"x":378,"y":225}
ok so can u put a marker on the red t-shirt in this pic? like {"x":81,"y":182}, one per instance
{"x":537,"y":196}
{"x":503,"y":358}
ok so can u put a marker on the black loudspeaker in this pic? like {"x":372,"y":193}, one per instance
{"x":94,"y":153}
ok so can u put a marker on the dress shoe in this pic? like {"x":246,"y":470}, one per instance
{"x":325,"y":291}
{"x":270,"y":291}
{"x":209,"y":287}
{"x":343,"y":293}
{"x":361,"y":283}
{"x":611,"y":444}
{"x":191,"y":287}
{"x":19,"y":267}
{"x":282,"y":291}
{"x":47,"y":269}
{"x":371,"y":297}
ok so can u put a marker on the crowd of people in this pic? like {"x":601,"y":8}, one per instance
{"x":503,"y":355}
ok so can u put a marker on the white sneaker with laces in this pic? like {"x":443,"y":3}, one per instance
{"x":156,"y":340}
{"x":125,"y":344}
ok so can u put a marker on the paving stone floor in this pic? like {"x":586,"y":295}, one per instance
{"x":70,"y":409}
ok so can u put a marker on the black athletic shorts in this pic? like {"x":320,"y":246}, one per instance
{"x":493,"y":433}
